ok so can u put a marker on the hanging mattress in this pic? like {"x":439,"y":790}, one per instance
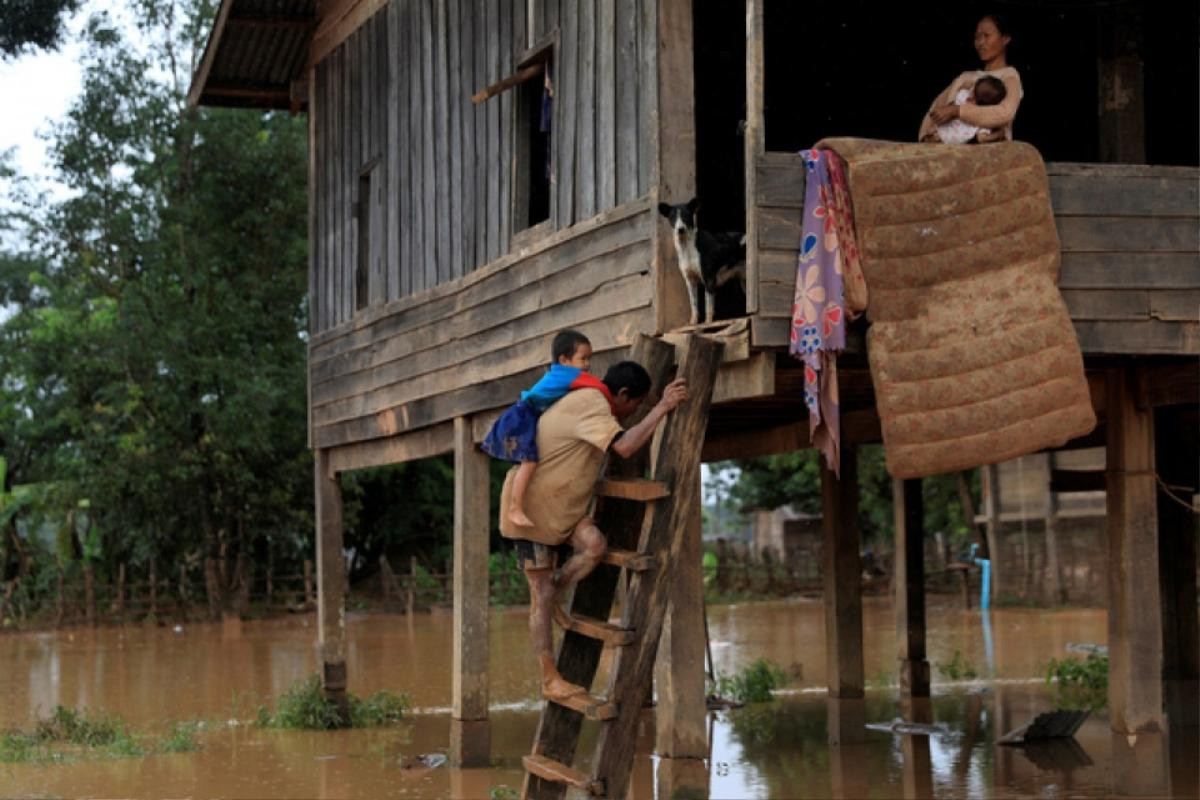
{"x":972,"y":351}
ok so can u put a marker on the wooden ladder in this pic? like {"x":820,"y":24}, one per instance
{"x":645,"y":522}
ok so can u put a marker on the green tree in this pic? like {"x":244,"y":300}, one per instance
{"x":155,"y":360}
{"x":28,"y":24}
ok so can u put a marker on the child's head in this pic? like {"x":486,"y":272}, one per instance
{"x":571,"y":349}
{"x":989,"y":91}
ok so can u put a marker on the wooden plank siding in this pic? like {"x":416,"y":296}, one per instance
{"x":392,"y":113}
{"x":472,"y":344}
{"x":1130,"y":239}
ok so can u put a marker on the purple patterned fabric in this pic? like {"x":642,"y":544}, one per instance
{"x":818,"y":308}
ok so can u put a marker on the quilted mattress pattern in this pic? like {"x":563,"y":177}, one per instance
{"x":972,"y":352}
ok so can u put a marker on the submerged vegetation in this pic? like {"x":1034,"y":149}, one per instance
{"x":1082,"y":682}
{"x":753,"y":684}
{"x":958,"y":668}
{"x":305,"y":707}
{"x":69,"y":735}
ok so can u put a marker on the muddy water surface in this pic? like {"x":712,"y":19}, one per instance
{"x":220,"y":673}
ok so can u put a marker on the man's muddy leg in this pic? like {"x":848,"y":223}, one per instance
{"x":589,"y":544}
{"x":542,"y":591}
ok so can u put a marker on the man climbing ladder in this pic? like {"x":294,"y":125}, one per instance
{"x":573,"y":437}
{"x":645,"y":522}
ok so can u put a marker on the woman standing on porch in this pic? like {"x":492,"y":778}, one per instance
{"x":992,"y":37}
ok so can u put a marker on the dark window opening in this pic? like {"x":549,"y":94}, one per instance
{"x":535,"y":113}
{"x":362,"y":267}
{"x":719,"y":89}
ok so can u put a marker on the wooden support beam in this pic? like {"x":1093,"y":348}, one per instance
{"x":991,"y":504}
{"x":1135,"y":645}
{"x":1178,"y":465}
{"x":337,"y":22}
{"x":412,"y":446}
{"x":1177,"y":383}
{"x":842,"y":577}
{"x":681,"y":715}
{"x":857,"y":427}
{"x":754,"y":377}
{"x":472,"y":528}
{"x":1056,"y":588}
{"x":754,"y":143}
{"x":908,"y":583}
{"x":674,"y":175}
{"x":331,"y":582}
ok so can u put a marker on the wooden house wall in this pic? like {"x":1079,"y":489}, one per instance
{"x":473,"y":344}
{"x":396,"y":95}
{"x":1130,"y":240}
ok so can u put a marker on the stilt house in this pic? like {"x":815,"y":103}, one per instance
{"x":485,"y":173}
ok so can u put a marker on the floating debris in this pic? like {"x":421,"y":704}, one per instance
{"x":907,"y":728}
{"x":1060,"y":722}
{"x":423,"y":761}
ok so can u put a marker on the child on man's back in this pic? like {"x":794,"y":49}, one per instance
{"x":513,"y":437}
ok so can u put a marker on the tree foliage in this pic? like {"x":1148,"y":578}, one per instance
{"x":154,"y":355}
{"x":26,"y":24}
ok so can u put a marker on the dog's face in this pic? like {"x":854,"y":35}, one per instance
{"x":682,"y":217}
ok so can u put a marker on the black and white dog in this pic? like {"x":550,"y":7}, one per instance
{"x":709,"y":259}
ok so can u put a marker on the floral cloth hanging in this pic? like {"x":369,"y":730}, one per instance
{"x":818,"y":307}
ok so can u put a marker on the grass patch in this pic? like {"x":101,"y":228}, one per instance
{"x":69,"y":735}
{"x":305,"y":707}
{"x":958,"y":668}
{"x":753,"y":684}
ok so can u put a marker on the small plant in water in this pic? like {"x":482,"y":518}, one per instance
{"x":305,"y":706}
{"x":958,"y":669}
{"x":502,"y":792}
{"x":753,"y":684}
{"x":1082,"y":682}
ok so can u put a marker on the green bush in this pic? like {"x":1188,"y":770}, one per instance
{"x":753,"y":684}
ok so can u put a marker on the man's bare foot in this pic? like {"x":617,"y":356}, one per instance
{"x":518,"y":517}
{"x":558,"y":689}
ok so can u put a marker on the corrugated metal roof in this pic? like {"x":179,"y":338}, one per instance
{"x":255,"y":51}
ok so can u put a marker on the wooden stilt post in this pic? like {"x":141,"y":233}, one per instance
{"x":909,"y":585}
{"x":331,"y":582}
{"x":991,"y":502}
{"x":681,"y":713}
{"x":1178,"y":466}
{"x":842,"y":575}
{"x":1055,"y":588}
{"x":1135,"y":646}
{"x":470,"y":743}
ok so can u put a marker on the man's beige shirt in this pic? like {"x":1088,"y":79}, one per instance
{"x":572,"y":437}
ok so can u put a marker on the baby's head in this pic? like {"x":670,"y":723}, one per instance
{"x":989,"y":91}
{"x":572,"y":349}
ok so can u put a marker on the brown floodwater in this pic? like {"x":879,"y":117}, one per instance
{"x":219,"y":673}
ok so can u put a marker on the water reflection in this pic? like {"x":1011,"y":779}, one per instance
{"x":802,"y":745}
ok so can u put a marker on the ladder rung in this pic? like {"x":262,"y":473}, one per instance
{"x":610,"y":634}
{"x":551,"y":770}
{"x":590,"y":706}
{"x":629,"y":559}
{"x":632,"y":489}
